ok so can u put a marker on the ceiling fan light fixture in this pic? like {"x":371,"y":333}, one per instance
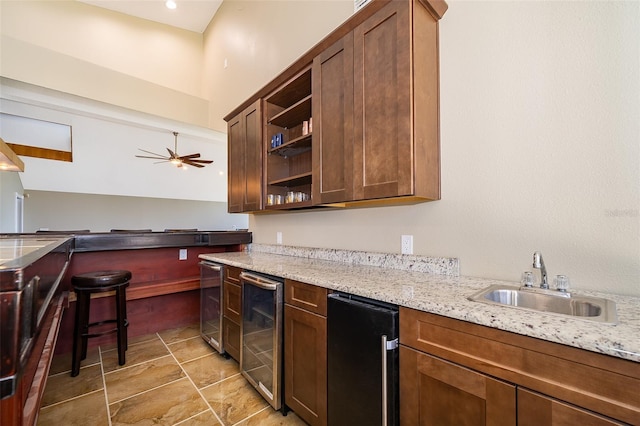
{"x":176,"y":159}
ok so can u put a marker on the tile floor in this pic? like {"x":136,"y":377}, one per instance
{"x":170,"y":378}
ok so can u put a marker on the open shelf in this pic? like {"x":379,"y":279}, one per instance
{"x":293,"y":147}
{"x":293,"y":115}
{"x":296,"y":180}
{"x":293,"y":91}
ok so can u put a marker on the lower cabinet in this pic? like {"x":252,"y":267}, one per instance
{"x":535,"y":409}
{"x":305,"y":351}
{"x":437,"y":392}
{"x":232,"y":311}
{"x":457,"y":373}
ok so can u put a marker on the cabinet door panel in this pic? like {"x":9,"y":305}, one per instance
{"x":232,"y":302}
{"x":306,"y":364}
{"x":235,"y":193}
{"x":383,"y":148}
{"x":535,"y":409}
{"x":231,"y":338}
{"x":245,"y":160}
{"x":253,"y":158}
{"x":333,"y":130}
{"x":437,"y":392}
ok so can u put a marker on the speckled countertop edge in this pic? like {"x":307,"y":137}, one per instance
{"x":447,"y":295}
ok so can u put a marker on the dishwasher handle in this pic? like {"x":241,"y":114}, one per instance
{"x":259,"y":281}
{"x":210,"y":265}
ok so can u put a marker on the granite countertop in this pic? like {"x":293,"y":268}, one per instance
{"x":433,"y":285}
{"x":18,"y":252}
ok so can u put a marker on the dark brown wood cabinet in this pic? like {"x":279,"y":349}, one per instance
{"x":535,"y":409}
{"x":245,"y":160}
{"x":376,"y":106}
{"x":288,"y":142}
{"x":437,"y":392}
{"x":305,"y":353}
{"x":232,"y":311}
{"x":454,"y":372}
{"x":371,"y":91}
{"x":333,"y":132}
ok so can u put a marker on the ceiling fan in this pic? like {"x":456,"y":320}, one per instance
{"x":174,"y":158}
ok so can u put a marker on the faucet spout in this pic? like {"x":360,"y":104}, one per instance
{"x":538,"y":263}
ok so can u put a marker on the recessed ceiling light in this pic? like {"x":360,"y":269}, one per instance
{"x":170,"y":4}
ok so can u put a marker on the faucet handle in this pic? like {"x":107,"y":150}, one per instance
{"x":527,"y":279}
{"x":562,"y":283}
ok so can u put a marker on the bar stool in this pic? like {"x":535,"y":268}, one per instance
{"x":97,"y":282}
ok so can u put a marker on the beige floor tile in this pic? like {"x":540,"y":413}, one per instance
{"x":87,"y":410}
{"x":62,"y":386}
{"x":270,"y":417}
{"x":166,"y":405}
{"x":177,"y":334}
{"x":189,"y":349}
{"x":132,"y":341}
{"x":233,"y":399}
{"x":62,"y":363}
{"x":127,"y":382}
{"x":137,"y":353}
{"x":210,"y":369}
{"x":203,"y":419}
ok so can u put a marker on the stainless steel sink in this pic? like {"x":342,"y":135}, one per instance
{"x":549,"y":301}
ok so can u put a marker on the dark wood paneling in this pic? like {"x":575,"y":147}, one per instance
{"x":231,"y":338}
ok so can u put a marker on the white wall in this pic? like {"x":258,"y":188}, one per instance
{"x":105,"y":142}
{"x":540,"y":149}
{"x":10,"y":187}
{"x":101,"y":213}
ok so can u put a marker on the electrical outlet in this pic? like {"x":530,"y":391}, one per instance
{"x":407,"y":244}
{"x":182,"y":254}
{"x":278,"y":237}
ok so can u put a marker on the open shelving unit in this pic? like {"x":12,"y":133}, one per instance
{"x":288,"y":166}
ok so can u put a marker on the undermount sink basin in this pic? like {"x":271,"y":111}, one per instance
{"x":549,"y":301}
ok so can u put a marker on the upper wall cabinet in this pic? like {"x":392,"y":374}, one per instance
{"x":245,"y":160}
{"x":356,"y":119}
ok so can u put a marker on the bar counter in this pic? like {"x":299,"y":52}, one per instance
{"x":163,"y":293}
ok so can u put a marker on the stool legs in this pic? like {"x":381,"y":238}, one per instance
{"x":79,"y":332}
{"x":122,"y":323}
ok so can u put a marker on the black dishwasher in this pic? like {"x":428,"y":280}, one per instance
{"x":362,"y":358}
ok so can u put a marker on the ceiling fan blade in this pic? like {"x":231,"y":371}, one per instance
{"x":154,"y":158}
{"x":149,"y":152}
{"x":191,"y":163}
{"x":201,"y":161}
{"x":173,"y":154}
{"x":190,"y":156}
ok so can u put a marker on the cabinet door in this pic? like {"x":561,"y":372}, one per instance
{"x":437,"y":392}
{"x":535,"y":409}
{"x":383,"y":148}
{"x":232,"y":302}
{"x":231,"y":338}
{"x":333,"y":123}
{"x":245,"y":160}
{"x":305,"y":364}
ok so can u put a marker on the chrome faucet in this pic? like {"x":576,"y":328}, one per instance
{"x":538,"y":263}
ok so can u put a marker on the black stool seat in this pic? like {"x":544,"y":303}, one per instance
{"x":97,"y":282}
{"x":100,"y":281}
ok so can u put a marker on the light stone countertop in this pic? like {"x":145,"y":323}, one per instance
{"x":433,"y":285}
